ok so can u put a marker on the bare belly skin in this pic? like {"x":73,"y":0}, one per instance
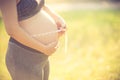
{"x":42,"y":27}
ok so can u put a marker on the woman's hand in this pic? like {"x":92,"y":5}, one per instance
{"x":61,"y":25}
{"x":58,"y":19}
{"x":50,"y":48}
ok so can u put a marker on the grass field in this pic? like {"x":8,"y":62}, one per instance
{"x":93,"y":47}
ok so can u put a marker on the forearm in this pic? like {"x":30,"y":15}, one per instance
{"x":57,"y":18}
{"x":21,"y":36}
{"x":51,"y":12}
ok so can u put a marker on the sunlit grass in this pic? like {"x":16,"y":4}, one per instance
{"x":93,"y":47}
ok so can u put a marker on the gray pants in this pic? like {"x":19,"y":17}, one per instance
{"x":24,"y":63}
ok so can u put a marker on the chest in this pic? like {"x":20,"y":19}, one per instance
{"x":26,"y":8}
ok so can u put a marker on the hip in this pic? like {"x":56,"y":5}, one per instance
{"x":20,"y":51}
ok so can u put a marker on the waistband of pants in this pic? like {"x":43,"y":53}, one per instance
{"x":23,"y":46}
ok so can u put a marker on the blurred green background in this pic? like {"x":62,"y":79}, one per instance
{"x":93,"y":51}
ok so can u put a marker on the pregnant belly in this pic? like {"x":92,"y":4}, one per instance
{"x":42,"y":27}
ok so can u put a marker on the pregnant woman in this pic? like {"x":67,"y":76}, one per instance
{"x":34,"y":31}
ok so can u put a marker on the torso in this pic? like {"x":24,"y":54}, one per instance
{"x":39,"y":24}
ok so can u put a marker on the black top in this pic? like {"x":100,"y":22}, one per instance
{"x":28,"y":8}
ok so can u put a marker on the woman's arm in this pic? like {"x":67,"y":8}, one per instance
{"x":9,"y":13}
{"x":58,"y":19}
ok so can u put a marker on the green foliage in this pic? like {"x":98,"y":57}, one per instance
{"x":93,"y":45}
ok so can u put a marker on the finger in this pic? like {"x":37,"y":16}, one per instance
{"x":52,"y":44}
{"x":64,"y":25}
{"x":62,"y":31}
{"x":58,"y":24}
{"x":57,"y":45}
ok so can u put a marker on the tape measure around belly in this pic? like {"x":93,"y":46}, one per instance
{"x":44,"y":34}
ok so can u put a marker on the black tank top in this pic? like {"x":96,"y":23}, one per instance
{"x":28,"y":8}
